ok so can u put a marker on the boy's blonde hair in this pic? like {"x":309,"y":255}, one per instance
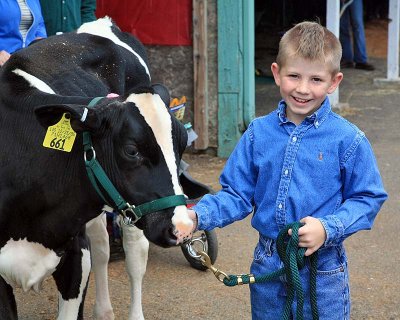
{"x":311,"y":41}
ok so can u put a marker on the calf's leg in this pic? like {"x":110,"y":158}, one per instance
{"x":8,"y":306}
{"x":96,"y":230}
{"x":136,"y":248}
{"x":71,"y":278}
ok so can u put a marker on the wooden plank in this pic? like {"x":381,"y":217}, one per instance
{"x":228,"y":133}
{"x":229,"y":45}
{"x":249,"y":81}
{"x":200,"y":73}
{"x":230,"y":74}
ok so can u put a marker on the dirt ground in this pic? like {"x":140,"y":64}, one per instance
{"x":376,"y":34}
{"x":173,"y":290}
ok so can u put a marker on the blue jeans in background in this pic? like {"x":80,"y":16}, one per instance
{"x":352,"y":34}
{"x":333,"y":294}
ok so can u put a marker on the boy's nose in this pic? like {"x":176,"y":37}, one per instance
{"x":302,"y":87}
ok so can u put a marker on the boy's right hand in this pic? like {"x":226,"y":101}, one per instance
{"x":4,"y":56}
{"x":192,"y":215}
{"x":312,"y":235}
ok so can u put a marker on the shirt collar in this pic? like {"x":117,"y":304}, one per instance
{"x":317,"y":118}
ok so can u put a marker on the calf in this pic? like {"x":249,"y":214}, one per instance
{"x":46,"y":195}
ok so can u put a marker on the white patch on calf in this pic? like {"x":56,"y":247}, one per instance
{"x":34,"y":82}
{"x":102,"y":28}
{"x":26,"y":264}
{"x":153,"y":109}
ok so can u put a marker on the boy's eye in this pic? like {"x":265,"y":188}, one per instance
{"x":317,"y":79}
{"x":294,"y":76}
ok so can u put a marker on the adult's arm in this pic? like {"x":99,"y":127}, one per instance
{"x":41,"y":28}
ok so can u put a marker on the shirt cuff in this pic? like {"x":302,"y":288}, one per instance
{"x":203,"y":216}
{"x":334,"y":230}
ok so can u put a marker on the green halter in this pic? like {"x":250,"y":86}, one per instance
{"x":99,"y":178}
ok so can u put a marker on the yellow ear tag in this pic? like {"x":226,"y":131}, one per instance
{"x":61,"y":136}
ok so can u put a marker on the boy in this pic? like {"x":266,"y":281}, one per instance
{"x":300,"y":163}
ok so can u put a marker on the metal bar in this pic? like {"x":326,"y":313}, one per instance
{"x":393,"y":41}
{"x":333,"y":24}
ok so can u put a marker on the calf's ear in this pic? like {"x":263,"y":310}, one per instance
{"x":163,"y":92}
{"x":82,"y":117}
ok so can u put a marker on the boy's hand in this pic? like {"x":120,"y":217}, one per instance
{"x":4,"y":56}
{"x":311,"y":236}
{"x":193,"y":216}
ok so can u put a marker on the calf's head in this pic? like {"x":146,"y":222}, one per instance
{"x":139,"y":145}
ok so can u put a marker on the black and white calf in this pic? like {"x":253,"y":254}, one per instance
{"x":46,"y":197}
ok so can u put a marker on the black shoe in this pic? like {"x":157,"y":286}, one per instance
{"x":365,"y":66}
{"x":346,"y":64}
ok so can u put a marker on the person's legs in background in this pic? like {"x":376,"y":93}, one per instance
{"x":354,"y":16}
{"x":357,"y":22}
{"x":346,"y":41}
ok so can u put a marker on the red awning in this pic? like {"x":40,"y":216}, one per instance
{"x":163,"y":22}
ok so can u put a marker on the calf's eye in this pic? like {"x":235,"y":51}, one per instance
{"x":131,"y":150}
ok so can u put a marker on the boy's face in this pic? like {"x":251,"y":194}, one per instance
{"x":304,"y":84}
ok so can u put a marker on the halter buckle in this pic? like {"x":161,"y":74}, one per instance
{"x":132,"y":218}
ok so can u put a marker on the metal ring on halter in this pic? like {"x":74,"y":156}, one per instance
{"x":129,"y":220}
{"x":94,"y":154}
{"x":193,"y":251}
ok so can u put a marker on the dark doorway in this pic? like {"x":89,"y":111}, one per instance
{"x":272,"y":19}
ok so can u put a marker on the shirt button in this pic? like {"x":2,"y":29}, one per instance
{"x":294,"y":139}
{"x":280,"y":206}
{"x":286,"y":172}
{"x":317,"y":123}
{"x":65,"y":18}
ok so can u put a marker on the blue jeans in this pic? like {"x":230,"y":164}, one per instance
{"x":333,"y":294}
{"x":352,"y":27}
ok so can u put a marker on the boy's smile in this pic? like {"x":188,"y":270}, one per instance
{"x":304,"y":85}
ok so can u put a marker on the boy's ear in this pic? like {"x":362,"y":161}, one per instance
{"x":275,"y":72}
{"x":337,"y":78}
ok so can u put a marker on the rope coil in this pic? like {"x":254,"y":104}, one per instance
{"x":293,"y":260}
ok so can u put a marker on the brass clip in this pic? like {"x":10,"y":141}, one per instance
{"x":206,"y":261}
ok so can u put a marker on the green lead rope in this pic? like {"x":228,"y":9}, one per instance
{"x":293,"y":260}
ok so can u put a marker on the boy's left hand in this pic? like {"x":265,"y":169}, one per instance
{"x":311,"y":236}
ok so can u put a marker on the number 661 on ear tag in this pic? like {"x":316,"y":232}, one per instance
{"x":60,"y":136}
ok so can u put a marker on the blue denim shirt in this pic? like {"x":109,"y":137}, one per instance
{"x":324,"y":168}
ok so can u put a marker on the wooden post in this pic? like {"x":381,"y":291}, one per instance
{"x":230,"y":74}
{"x":249,"y":81}
{"x":200,"y":74}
